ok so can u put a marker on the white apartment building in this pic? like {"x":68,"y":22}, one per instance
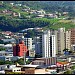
{"x":53,"y":44}
{"x":48,"y":44}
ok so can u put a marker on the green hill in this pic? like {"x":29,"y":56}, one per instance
{"x":15,"y":23}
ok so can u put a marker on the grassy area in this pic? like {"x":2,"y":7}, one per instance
{"x":56,"y":23}
{"x":65,"y":21}
{"x":60,"y":25}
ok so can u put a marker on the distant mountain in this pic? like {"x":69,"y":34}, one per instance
{"x":48,"y":5}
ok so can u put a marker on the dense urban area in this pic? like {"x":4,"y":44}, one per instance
{"x":35,"y":40}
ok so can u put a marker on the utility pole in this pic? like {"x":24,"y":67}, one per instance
{"x":24,"y":58}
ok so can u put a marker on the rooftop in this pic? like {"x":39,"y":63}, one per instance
{"x":33,"y":66}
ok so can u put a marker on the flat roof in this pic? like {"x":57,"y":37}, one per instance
{"x":30,"y":65}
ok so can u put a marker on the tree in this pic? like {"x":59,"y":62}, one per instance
{"x":73,"y":67}
{"x":20,"y":61}
{"x":2,"y":49}
{"x":65,"y":49}
{"x":68,"y":72}
{"x":8,"y":62}
{"x":2,"y":62}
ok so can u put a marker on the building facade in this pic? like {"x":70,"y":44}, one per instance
{"x":19,"y":49}
{"x":48,"y":44}
{"x":38,"y":42}
{"x":60,"y":40}
{"x":72,"y":36}
{"x":53,"y":45}
{"x":68,"y":39}
{"x":28,"y":43}
{"x":45,"y":61}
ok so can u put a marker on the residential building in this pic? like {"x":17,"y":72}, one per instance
{"x":12,"y":68}
{"x":53,"y":45}
{"x":8,"y":47}
{"x":48,"y":44}
{"x":19,"y":37}
{"x":54,"y":32}
{"x":19,"y":49}
{"x":28,"y":69}
{"x":6,"y":53}
{"x":38,"y":42}
{"x":60,"y":40}
{"x":28,"y":43}
{"x":72,"y":36}
{"x":2,"y":67}
{"x":12,"y":40}
{"x":73,"y":48}
{"x":68,"y":39}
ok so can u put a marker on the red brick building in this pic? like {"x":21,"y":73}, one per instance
{"x":19,"y":49}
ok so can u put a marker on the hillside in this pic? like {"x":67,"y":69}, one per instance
{"x":18,"y":15}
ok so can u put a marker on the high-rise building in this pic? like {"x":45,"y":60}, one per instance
{"x":38,"y":42}
{"x":28,"y":43}
{"x":48,"y":44}
{"x":60,"y":40}
{"x":68,"y":39}
{"x":72,"y":39}
{"x":72,"y":36}
{"x":19,"y":49}
{"x":53,"y":45}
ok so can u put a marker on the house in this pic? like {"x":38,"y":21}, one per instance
{"x":12,"y":68}
{"x":65,"y":13}
{"x":51,"y":15}
{"x":7,"y":33}
{"x":40,"y":16}
{"x":15,"y":14}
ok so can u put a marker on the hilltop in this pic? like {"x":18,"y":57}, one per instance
{"x":18,"y":15}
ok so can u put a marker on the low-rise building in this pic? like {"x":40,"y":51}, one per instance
{"x":29,"y":69}
{"x":6,"y":53}
{"x":9,"y":58}
{"x":44,"y":61}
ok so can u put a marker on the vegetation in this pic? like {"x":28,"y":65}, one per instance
{"x":68,"y":72}
{"x":2,"y":49}
{"x":2,"y":62}
{"x":73,"y":67}
{"x":8,"y":22}
{"x":13,"y":73}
